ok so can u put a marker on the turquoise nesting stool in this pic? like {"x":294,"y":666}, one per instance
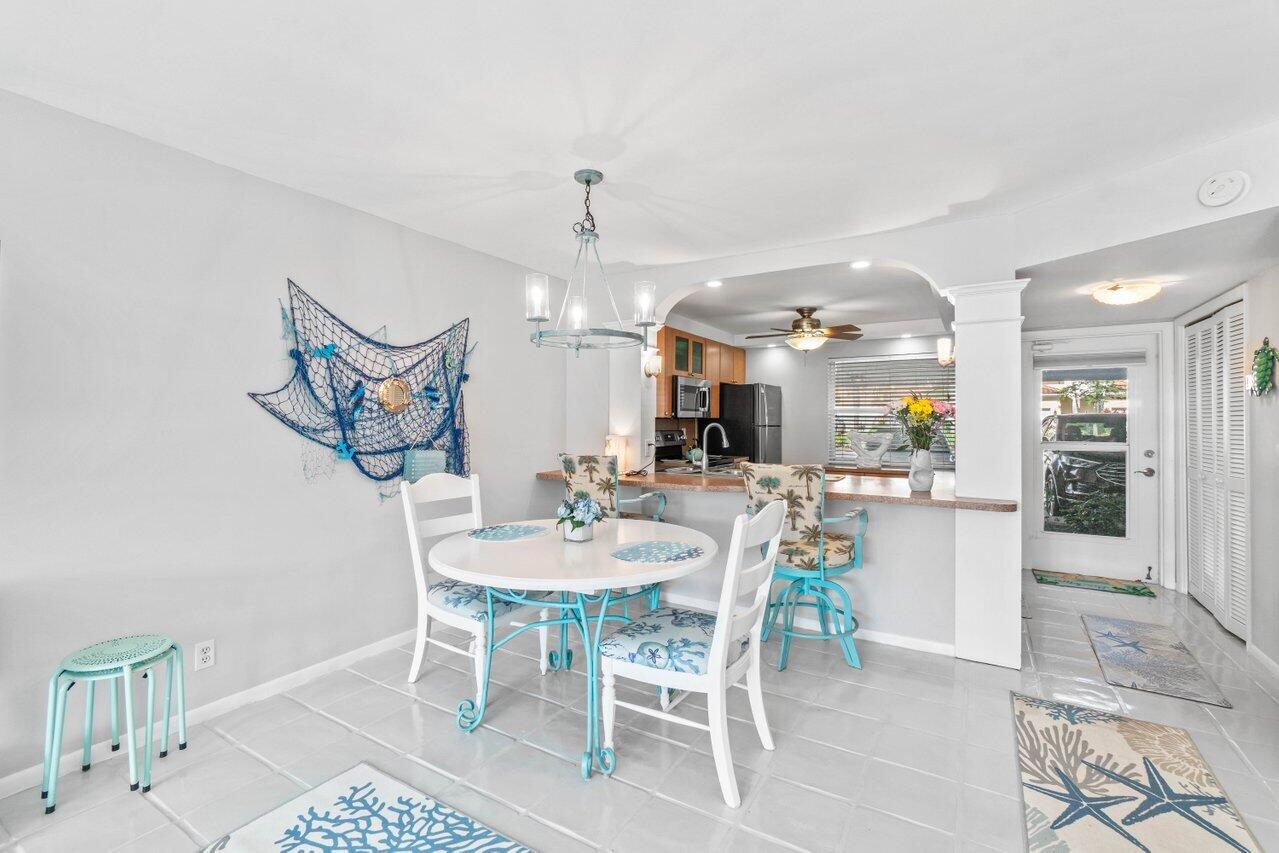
{"x":114,"y":661}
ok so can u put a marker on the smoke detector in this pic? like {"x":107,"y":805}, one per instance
{"x":1223,"y":188}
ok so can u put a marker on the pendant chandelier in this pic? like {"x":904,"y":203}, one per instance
{"x":573,"y":329}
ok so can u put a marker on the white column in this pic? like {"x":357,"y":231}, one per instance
{"x":988,"y":465}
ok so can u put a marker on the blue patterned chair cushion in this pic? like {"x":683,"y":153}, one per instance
{"x":469,"y":599}
{"x":668,"y":638}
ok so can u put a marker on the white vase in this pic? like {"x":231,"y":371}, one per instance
{"x":921,"y":474}
{"x":585,"y":533}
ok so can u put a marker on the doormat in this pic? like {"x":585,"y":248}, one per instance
{"x":364,"y":809}
{"x":1101,"y":584}
{"x":1092,"y":780}
{"x":1149,"y":657}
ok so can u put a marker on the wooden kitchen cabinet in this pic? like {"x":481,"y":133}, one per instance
{"x":684,"y":354}
{"x":714,"y":362}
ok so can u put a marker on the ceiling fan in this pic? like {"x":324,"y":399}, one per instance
{"x":808,"y":333}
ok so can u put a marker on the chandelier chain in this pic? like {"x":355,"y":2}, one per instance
{"x":588,"y":221}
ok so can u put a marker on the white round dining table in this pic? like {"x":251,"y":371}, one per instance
{"x":586,"y":574}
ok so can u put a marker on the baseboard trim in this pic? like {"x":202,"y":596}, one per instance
{"x":1265,"y":660}
{"x":70,"y":762}
{"x":914,"y":643}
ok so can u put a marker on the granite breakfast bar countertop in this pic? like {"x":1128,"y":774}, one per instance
{"x":859,"y":488}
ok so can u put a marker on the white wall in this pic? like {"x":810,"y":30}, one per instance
{"x":143,"y":491}
{"x":802,"y":378}
{"x":1263,"y":473}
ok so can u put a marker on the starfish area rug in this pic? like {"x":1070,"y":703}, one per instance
{"x":1095,"y":582}
{"x":1096,"y":781}
{"x":365,"y":810}
{"x":1149,"y":657}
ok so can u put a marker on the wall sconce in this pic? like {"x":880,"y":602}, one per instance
{"x":653,"y":363}
{"x":615,"y":445}
{"x":945,"y":351}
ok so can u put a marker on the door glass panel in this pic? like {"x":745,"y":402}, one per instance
{"x":1086,"y":491}
{"x":681,"y":353}
{"x":698,"y":351}
{"x":1084,"y":440}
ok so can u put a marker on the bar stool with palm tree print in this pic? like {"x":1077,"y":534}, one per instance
{"x":809,"y":557}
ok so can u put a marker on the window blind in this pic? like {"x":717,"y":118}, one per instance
{"x":858,"y":389}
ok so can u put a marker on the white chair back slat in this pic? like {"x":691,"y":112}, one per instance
{"x":734,"y":620}
{"x":447,"y":524}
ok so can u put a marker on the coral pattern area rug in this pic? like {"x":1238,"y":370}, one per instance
{"x":1096,"y":781}
{"x":365,"y":810}
{"x":1096,"y":582}
{"x":1149,"y":657}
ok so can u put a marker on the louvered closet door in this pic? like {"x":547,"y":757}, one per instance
{"x":1234,"y":473}
{"x":1216,"y":467}
{"x":1194,"y":469}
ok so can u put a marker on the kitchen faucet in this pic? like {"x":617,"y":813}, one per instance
{"x":705,"y":434}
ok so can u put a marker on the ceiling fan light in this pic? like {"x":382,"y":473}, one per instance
{"x":805,"y":342}
{"x":1126,"y":292}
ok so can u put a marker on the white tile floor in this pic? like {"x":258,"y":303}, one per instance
{"x":914,"y":752}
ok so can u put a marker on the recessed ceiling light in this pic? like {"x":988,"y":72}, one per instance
{"x":906,"y":334}
{"x":860,"y":265}
{"x":715,"y":283}
{"x":1126,"y":292}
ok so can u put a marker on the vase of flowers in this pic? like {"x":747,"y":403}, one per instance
{"x":578,"y":515}
{"x":921,"y":419}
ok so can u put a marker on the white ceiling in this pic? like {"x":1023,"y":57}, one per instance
{"x":722,"y":127}
{"x":1196,"y":264}
{"x":753,"y":304}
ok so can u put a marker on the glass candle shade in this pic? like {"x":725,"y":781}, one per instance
{"x":645,"y":302}
{"x":537,"y":297}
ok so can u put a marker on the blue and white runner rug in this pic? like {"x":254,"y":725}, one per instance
{"x":363,"y":809}
{"x":1096,"y":781}
{"x":1149,"y":657}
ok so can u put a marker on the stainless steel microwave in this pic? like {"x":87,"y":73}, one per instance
{"x":692,"y":397}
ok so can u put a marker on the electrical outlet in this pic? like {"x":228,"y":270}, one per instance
{"x":205,"y":654}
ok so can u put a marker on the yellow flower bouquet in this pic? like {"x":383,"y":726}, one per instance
{"x":921,"y":418}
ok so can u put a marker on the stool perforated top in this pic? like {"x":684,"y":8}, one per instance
{"x":116,"y":653}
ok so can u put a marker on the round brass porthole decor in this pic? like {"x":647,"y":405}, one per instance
{"x":394,"y":394}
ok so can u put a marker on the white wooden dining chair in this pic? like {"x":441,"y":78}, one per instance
{"x":460,"y":605}
{"x":700,"y":652}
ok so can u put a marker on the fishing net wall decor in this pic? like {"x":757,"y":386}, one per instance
{"x":367,"y":401}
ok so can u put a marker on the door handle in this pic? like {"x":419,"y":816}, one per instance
{"x":1147,"y":472}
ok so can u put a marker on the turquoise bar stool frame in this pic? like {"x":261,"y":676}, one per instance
{"x":114,"y":661}
{"x":595,"y":476}
{"x":809,"y":563}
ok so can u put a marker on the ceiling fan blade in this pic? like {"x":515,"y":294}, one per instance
{"x":782,"y":335}
{"x":844,"y":327}
{"x":845,"y":336}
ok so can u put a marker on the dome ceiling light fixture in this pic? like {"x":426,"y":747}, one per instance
{"x":1126,"y":292}
{"x":578,"y":333}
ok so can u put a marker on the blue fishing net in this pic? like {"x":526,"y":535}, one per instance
{"x":332,"y":396}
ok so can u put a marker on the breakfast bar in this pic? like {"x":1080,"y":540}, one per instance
{"x":905,"y":592}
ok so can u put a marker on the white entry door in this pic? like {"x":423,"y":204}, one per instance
{"x":1096,"y":458}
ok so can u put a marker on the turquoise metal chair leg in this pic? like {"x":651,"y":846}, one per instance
{"x":129,"y":732}
{"x":182,"y":696}
{"x":655,"y":596}
{"x":773,"y":611}
{"x":85,"y":760}
{"x":788,"y":630}
{"x":149,"y":677}
{"x":115,"y":714}
{"x":849,"y":626}
{"x":168,"y":705}
{"x":48,"y":733}
{"x":55,"y":748}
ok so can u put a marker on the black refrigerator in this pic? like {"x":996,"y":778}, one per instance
{"x":752,"y":417}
